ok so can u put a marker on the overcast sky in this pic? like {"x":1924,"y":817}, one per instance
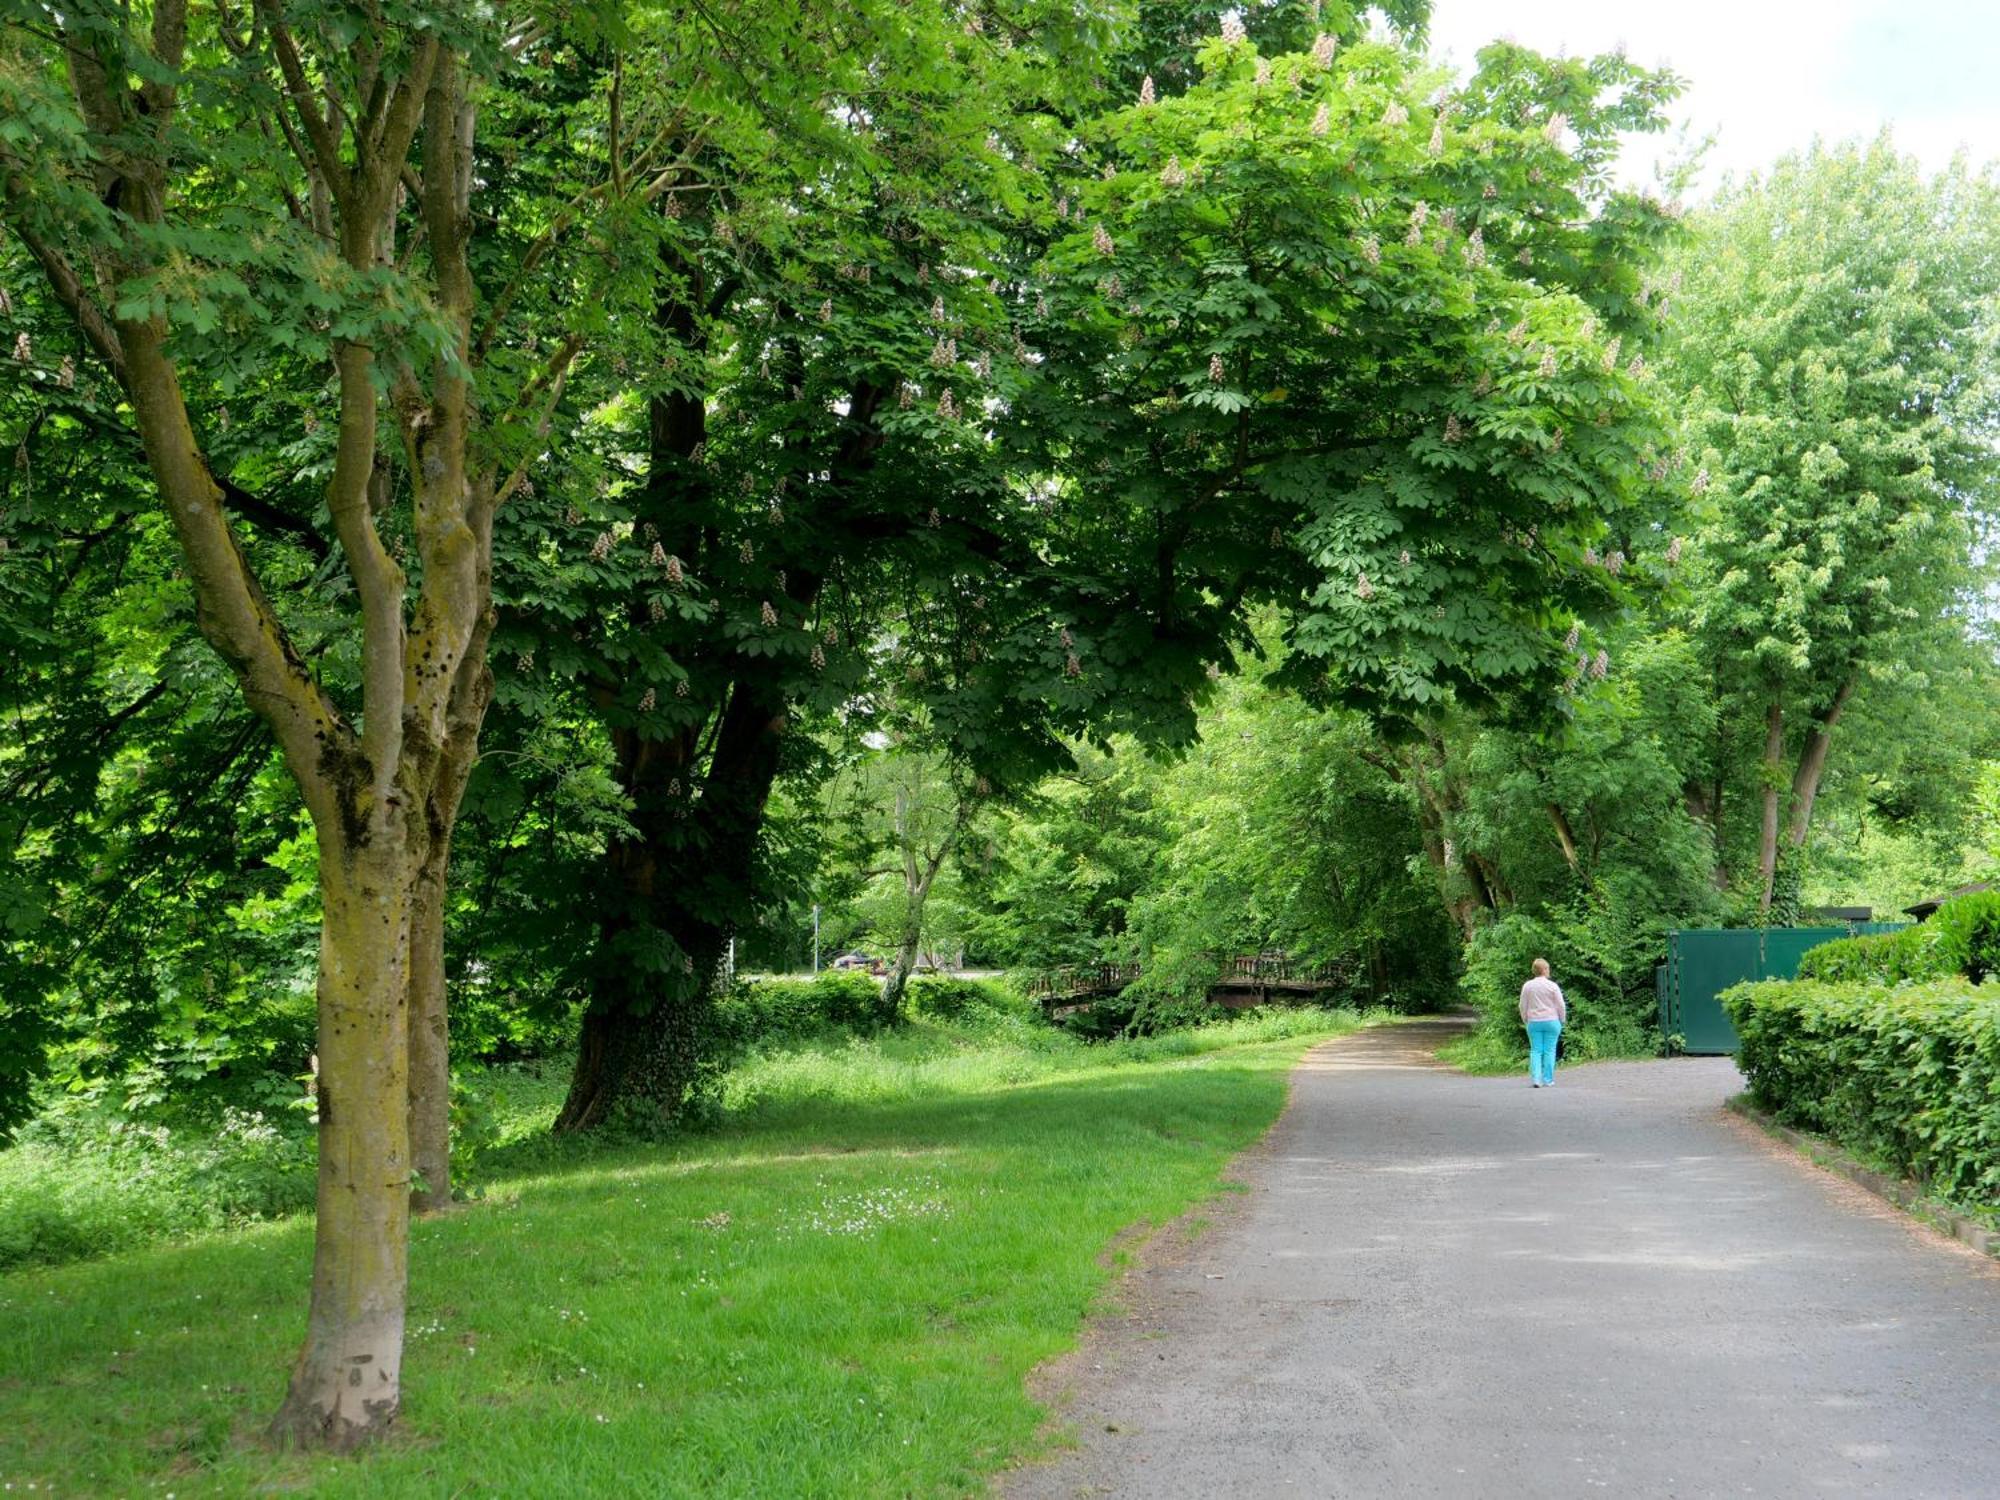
{"x":1766,"y":76}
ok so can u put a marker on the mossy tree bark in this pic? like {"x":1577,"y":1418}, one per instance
{"x":381,"y":134}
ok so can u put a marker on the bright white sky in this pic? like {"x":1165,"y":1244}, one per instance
{"x":1766,"y":76}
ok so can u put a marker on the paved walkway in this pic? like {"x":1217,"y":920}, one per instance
{"x":1443,"y":1286}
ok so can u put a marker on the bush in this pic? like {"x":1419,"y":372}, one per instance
{"x":1883,"y":957}
{"x":1967,"y":934}
{"x":1908,"y":1075}
{"x":762,"y":1012}
{"x":1612,"y":1013}
{"x":975,"y":1003}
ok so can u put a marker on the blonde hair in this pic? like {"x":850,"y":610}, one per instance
{"x":1541,"y":967}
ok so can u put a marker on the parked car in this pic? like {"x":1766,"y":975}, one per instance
{"x":859,"y":960}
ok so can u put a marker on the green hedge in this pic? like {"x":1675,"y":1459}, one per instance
{"x":763,"y":1011}
{"x":1907,"y":1075}
{"x":1883,"y":957}
{"x":1962,"y":938}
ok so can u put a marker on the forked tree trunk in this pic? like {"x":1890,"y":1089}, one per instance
{"x":918,"y":878}
{"x":346,"y":1383}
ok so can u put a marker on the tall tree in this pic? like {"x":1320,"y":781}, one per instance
{"x":1835,"y":342}
{"x":293,"y":184}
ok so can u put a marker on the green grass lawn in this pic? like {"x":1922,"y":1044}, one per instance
{"x":837,"y":1293}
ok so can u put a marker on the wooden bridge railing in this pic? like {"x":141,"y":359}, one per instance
{"x":1075,"y":982}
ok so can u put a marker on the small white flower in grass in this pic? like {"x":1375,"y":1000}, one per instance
{"x":1100,"y":240}
{"x":1146,"y":95}
{"x":1322,"y":120}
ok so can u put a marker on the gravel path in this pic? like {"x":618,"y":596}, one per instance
{"x":1443,"y":1286}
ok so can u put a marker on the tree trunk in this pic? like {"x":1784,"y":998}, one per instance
{"x":1767,"y":838}
{"x":1564,"y":835}
{"x":1812,"y":766}
{"x":346,"y":1383}
{"x":429,"y":1025}
{"x":429,"y":1039}
{"x":917,"y":891}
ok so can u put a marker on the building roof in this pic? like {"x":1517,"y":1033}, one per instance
{"x":1924,"y":908}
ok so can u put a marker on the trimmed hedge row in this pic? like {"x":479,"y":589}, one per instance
{"x":1909,"y":1075}
{"x":1962,"y":938}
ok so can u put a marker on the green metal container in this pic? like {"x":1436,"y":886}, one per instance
{"x":1702,"y":962}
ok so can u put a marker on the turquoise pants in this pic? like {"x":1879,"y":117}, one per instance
{"x":1542,"y":1050}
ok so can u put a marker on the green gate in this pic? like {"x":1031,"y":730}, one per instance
{"x":1702,"y":962}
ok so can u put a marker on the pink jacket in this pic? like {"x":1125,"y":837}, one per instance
{"x":1542,"y":1000}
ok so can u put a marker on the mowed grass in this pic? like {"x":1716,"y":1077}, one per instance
{"x":838,"y":1293}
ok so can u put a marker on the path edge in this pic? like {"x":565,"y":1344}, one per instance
{"x":1900,"y":1192}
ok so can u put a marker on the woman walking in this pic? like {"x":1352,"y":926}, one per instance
{"x":1544,"y":1012}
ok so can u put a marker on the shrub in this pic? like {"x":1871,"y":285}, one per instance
{"x":974,"y":1003}
{"x":1884,"y":957}
{"x":765,"y":1011}
{"x":1612,"y":1010}
{"x":1967,"y":934}
{"x":1909,"y":1075}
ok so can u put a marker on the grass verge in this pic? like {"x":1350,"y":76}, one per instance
{"x":837,"y":1293}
